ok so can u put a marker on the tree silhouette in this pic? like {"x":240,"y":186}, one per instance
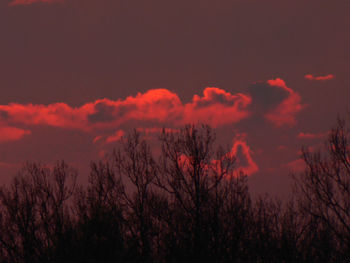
{"x":190,"y":203}
{"x":99,"y":212}
{"x":35,"y":213}
{"x":205,"y":191}
{"x":135,"y":165}
{"x":324,"y":188}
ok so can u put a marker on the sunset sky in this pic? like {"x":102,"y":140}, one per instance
{"x":76,"y":75}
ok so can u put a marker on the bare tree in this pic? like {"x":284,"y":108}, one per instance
{"x":99,"y":228}
{"x":198,"y":180}
{"x":136,"y":166}
{"x":35,"y":212}
{"x":192,"y":204}
{"x":324,"y":188}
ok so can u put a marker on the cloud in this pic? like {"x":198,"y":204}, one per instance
{"x":266,"y":97}
{"x":303,"y":135}
{"x":104,"y":113}
{"x":217,"y":107}
{"x":157,"y":108}
{"x":97,"y":139}
{"x":55,"y":115}
{"x":243,"y":154}
{"x":105,"y":139}
{"x":240,"y":151}
{"x":12,"y":134}
{"x":30,"y":2}
{"x":156,"y":130}
{"x":319,"y":78}
{"x":213,"y":96}
{"x":285,"y":113}
{"x":115,"y":137}
{"x":160,"y":106}
{"x":275,"y":102}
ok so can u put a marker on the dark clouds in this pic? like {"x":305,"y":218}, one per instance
{"x":104,"y":113}
{"x":285,"y":112}
{"x":265,"y":96}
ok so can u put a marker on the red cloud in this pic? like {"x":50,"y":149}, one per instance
{"x":240,"y":151}
{"x":303,"y":135}
{"x":156,"y":130}
{"x":57,"y":114}
{"x":29,"y":2}
{"x":216,"y":107}
{"x":250,"y":167}
{"x":97,"y":138}
{"x":12,"y":134}
{"x":284,"y":113}
{"x":115,"y":137}
{"x":319,"y":78}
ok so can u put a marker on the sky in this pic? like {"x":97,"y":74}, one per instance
{"x":270,"y":76}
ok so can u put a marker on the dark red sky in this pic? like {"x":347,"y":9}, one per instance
{"x":270,"y":75}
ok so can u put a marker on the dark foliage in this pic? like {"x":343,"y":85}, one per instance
{"x":190,"y":205}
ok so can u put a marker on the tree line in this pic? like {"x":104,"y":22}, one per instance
{"x":188,"y":205}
